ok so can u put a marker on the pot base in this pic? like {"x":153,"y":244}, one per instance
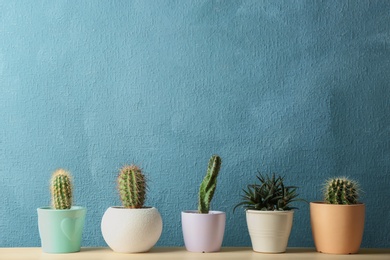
{"x":131,"y":230}
{"x":203,"y":233}
{"x":337,"y":229}
{"x":60,"y":230}
{"x":269,"y":230}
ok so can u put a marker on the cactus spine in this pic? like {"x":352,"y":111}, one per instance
{"x":208,"y":185}
{"x":61,"y":189}
{"x":132,"y":187}
{"x":341,"y":190}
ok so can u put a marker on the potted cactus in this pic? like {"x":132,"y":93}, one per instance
{"x":60,"y":226}
{"x":203,"y":229}
{"x":338,"y":222}
{"x":131,"y":228}
{"x":269,"y":213}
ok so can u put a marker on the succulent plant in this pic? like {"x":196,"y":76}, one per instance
{"x":209,"y":184}
{"x":270,"y":194}
{"x":132,"y":186}
{"x":341,"y":190}
{"x":61,"y":189}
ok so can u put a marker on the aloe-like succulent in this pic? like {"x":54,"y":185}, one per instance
{"x":341,"y":190}
{"x":270,"y":194}
{"x":132,"y":186}
{"x":209,"y":184}
{"x":61,"y":189}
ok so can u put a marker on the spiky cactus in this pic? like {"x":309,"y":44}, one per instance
{"x":61,"y":189}
{"x":269,"y":195}
{"x":132,"y":186}
{"x":341,"y":190}
{"x":208,"y":185}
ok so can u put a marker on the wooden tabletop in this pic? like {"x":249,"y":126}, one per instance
{"x":240,"y":253}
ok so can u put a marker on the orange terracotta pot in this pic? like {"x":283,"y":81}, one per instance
{"x":337,"y":229}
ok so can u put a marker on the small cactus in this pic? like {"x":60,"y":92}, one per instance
{"x":208,"y":185}
{"x":61,"y":189}
{"x":132,"y":187}
{"x":341,"y":190}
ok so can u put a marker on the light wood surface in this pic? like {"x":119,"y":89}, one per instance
{"x":240,"y":253}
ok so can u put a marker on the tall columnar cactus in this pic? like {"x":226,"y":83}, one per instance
{"x":341,"y":190}
{"x":61,"y":189}
{"x":208,"y":185}
{"x":132,"y":187}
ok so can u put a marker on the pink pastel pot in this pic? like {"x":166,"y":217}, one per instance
{"x":203,"y":232}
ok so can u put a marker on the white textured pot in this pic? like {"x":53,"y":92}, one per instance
{"x":131,"y":230}
{"x":269,"y":230}
{"x":203,"y":232}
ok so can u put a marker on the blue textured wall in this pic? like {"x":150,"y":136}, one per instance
{"x":296,"y":87}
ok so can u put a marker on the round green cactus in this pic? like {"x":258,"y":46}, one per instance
{"x":341,"y":190}
{"x":132,"y":187}
{"x":61,"y":189}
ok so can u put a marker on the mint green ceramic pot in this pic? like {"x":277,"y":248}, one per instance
{"x":61,"y":229}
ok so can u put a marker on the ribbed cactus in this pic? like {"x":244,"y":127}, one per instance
{"x":208,"y":185}
{"x":341,"y":190}
{"x":132,"y":187}
{"x":61,"y":189}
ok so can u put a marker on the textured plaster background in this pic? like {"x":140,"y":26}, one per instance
{"x":300,"y":88}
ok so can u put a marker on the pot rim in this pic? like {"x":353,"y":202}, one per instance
{"x":359,"y":204}
{"x":123,"y":208}
{"x":73,"y":208}
{"x":211,"y":212}
{"x":269,"y":211}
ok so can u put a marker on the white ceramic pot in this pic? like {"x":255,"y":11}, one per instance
{"x":203,"y":232}
{"x":269,"y":230}
{"x":131,"y":230}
